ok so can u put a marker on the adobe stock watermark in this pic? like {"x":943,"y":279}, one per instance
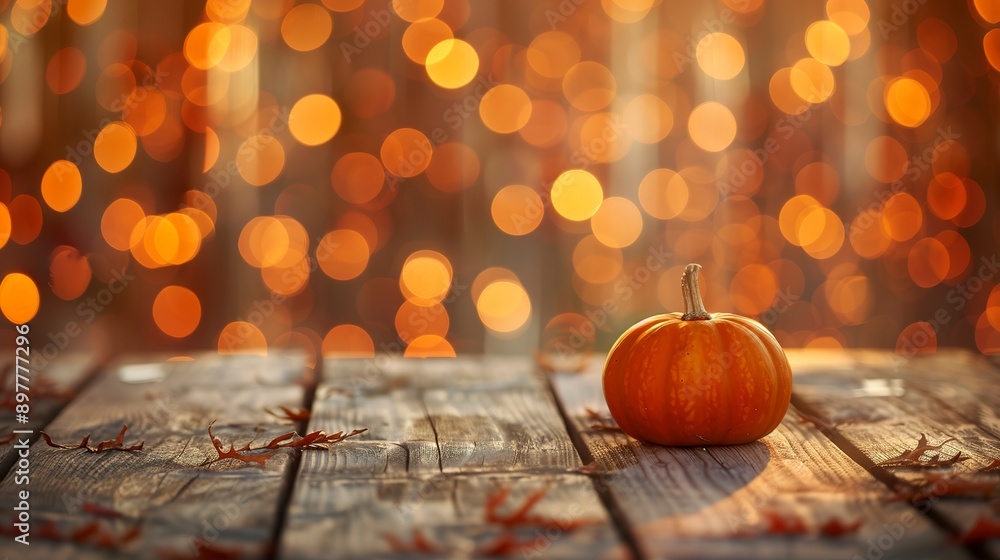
{"x":958,"y":297}
{"x":917,"y":166}
{"x":91,"y":137}
{"x":87,"y":311}
{"x":900,"y":14}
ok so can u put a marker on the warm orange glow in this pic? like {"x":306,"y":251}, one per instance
{"x":647,"y":118}
{"x":314,"y":119}
{"x":416,"y":10}
{"x":4,"y":225}
{"x":712,"y":126}
{"x":663,"y":194}
{"x":119,"y":220}
{"x":589,"y":86}
{"x":720,"y":55}
{"x":517,"y":210}
{"x":454,"y":167}
{"x":19,"y":298}
{"x":552,"y":53}
{"x":177,"y":311}
{"x":576,"y":195}
{"x":617,"y":223}
{"x":348,"y":341}
{"x":452,"y":63}
{"x":503,"y":307}
{"x":115,"y":147}
{"x":260,"y":159}
{"x":241,"y":337}
{"x":414,"y":320}
{"x":69,"y":273}
{"x":429,"y":346}
{"x":65,"y":70}
{"x":422,"y":35}
{"x":357,"y":177}
{"x":306,"y":27}
{"x":828,"y":43}
{"x":426,"y":277}
{"x":928,"y":262}
{"x":908,"y":102}
{"x":406,"y":152}
{"x":61,"y":186}
{"x":902,"y":216}
{"x":811,"y":80}
{"x":343,"y":254}
{"x":595,"y":262}
{"x":505,"y":109}
{"x":26,"y":219}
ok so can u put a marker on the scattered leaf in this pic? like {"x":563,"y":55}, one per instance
{"x":507,"y":544}
{"x":109,"y":445}
{"x":313,"y":440}
{"x":203,"y":550}
{"x":293,"y":414}
{"x":522,"y":516}
{"x":912,"y":457}
{"x":777,"y":524}
{"x":984,"y":528}
{"x":100,"y":511}
{"x":599,"y":422}
{"x":993,"y":467}
{"x":418,"y":544}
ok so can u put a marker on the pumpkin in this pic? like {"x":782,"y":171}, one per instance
{"x":696,"y":378}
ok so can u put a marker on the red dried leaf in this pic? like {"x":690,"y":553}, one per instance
{"x":313,"y":440}
{"x":837,"y":528}
{"x":993,"y":467}
{"x":203,"y":550}
{"x":912,"y":457}
{"x":984,"y":528}
{"x":293,"y":414}
{"x":100,"y":511}
{"x":599,"y":422}
{"x":258,"y":459}
{"x":109,"y":445}
{"x":522,"y":517}
{"x":419,"y":544}
{"x":507,"y":544}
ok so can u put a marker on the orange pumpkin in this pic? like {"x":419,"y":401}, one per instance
{"x":697,"y":378}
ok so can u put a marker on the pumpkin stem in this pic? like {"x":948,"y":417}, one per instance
{"x":694,"y":308}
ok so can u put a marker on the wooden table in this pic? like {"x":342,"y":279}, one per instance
{"x":478,"y":457}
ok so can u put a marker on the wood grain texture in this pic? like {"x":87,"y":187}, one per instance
{"x":356,"y":518}
{"x":443,"y":434}
{"x":882,"y":404}
{"x":429,"y":416}
{"x":62,"y":378}
{"x":165,"y":490}
{"x":716,"y":502}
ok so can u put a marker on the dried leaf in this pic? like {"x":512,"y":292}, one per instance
{"x":419,"y":544}
{"x":522,"y":517}
{"x":912,"y":457}
{"x":203,"y":550}
{"x":109,"y":445}
{"x":507,"y":544}
{"x":599,"y":422}
{"x":313,"y":440}
{"x":100,"y":511}
{"x":258,"y":459}
{"x":984,"y":528}
{"x":837,"y":528}
{"x":293,"y":414}
{"x":993,"y":467}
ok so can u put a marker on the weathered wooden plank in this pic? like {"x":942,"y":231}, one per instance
{"x":428,"y":416}
{"x":164,"y":491}
{"x":432,"y":424}
{"x":882,"y":405}
{"x":380,"y":518}
{"x":49,"y":393}
{"x":721,"y":502}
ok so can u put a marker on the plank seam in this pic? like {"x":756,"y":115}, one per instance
{"x":933,"y":514}
{"x":602,"y":491}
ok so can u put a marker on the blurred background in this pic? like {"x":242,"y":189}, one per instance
{"x":432,"y":177}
